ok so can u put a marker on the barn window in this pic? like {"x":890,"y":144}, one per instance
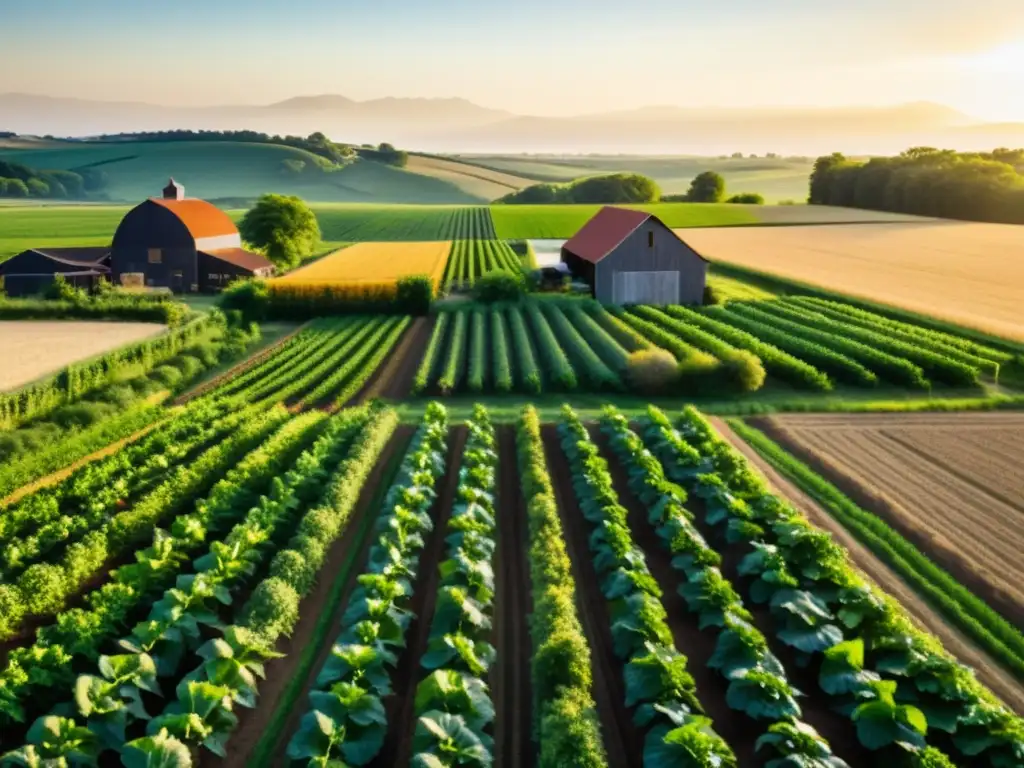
{"x":156,"y":256}
{"x":650,"y":239}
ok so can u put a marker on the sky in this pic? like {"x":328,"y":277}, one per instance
{"x":541,"y":57}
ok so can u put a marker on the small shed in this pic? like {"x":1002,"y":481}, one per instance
{"x":180,"y":243}
{"x":628,"y":256}
{"x":31,"y":272}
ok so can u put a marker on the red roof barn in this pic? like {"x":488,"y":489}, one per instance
{"x":629,"y":256}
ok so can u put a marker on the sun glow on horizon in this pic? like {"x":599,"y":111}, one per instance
{"x":1005,"y":59}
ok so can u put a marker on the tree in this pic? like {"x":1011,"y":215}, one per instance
{"x":707,"y":187}
{"x":38,"y":188}
{"x":747,"y":198}
{"x":284,"y":227}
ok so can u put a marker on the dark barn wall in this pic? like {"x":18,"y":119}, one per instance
{"x":151,"y":226}
{"x":669,"y":254}
{"x":31,"y":273}
{"x":210,"y":268}
{"x":581,"y":269}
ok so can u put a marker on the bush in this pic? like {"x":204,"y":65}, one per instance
{"x":707,"y":187}
{"x":413,"y":294}
{"x":272,"y":608}
{"x":292,"y":568}
{"x":609,"y":188}
{"x":712,"y":296}
{"x":167,"y":375}
{"x":747,"y":198}
{"x":81,"y":414}
{"x":652,"y":371}
{"x":500,"y":285}
{"x":742,"y":371}
{"x":250,"y":297}
{"x":187,"y":364}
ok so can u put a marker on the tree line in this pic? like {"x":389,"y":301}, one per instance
{"x":924,"y":181}
{"x":316,"y":143}
{"x":21,"y":181}
{"x":706,"y":187}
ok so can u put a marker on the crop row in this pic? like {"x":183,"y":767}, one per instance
{"x":347,"y":720}
{"x":565,"y":720}
{"x":903,"y":693}
{"x":470,"y":223}
{"x":184,"y":629}
{"x":471,"y":259}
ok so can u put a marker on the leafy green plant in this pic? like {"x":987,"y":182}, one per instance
{"x":797,"y":745}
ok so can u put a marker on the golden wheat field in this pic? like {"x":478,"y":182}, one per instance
{"x":972,"y":274}
{"x":374,"y":263}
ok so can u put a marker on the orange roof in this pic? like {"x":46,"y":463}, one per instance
{"x":203,"y":219}
{"x":240,"y":258}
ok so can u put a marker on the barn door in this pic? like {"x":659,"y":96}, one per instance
{"x":645,"y":288}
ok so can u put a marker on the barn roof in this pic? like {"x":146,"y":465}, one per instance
{"x":87,"y":258}
{"x":240,"y":258}
{"x":203,"y":219}
{"x":606,"y":230}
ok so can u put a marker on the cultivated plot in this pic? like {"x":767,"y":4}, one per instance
{"x":949,"y":482}
{"x":31,"y":349}
{"x":972,"y":274}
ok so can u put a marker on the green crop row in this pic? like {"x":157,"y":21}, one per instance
{"x":528,"y":377}
{"x":471,"y":259}
{"x":501,"y":364}
{"x":565,"y":720}
{"x":470,"y":223}
{"x":346,"y":720}
{"x":429,"y":363}
{"x":658,"y":686}
{"x":938,"y":366}
{"x":865,"y":647}
{"x":455,"y":363}
{"x":591,"y":371}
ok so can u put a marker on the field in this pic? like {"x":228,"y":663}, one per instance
{"x":373,"y":263}
{"x":948,"y":482}
{"x":472,"y":258}
{"x":213,"y":170}
{"x":632,"y":584}
{"x":970,"y":274}
{"x":482,"y":182}
{"x":32,"y":349}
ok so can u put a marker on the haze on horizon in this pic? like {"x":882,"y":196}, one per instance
{"x":540,"y":57}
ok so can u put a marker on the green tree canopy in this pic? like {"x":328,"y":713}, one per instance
{"x":284,"y":227}
{"x":707,"y":187}
{"x":607,"y":188}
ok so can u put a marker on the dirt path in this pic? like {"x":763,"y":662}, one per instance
{"x":510,"y":677}
{"x":738,"y":730}
{"x":345,"y":561}
{"x":1000,"y":682}
{"x":261,"y":356}
{"x":393,"y":380}
{"x":400,"y":705}
{"x":623,"y":740}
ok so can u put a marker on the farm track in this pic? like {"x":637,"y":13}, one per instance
{"x":400,"y":707}
{"x":344,"y":560}
{"x":956,"y":643}
{"x":510,"y":678}
{"x":622,"y":739}
{"x":978,"y":541}
{"x":393,"y":380}
{"x":738,"y":730}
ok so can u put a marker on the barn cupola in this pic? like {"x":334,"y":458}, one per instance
{"x":174,"y":191}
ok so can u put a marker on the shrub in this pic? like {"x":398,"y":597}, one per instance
{"x":12,"y":609}
{"x":652,"y":371}
{"x":273,"y":608}
{"x":413,"y":294}
{"x":167,"y":375}
{"x":747,"y":198}
{"x":42,"y":588}
{"x":292,"y":568}
{"x":188,"y":365}
{"x":741,"y":371}
{"x":320,"y":523}
{"x":250,"y":297}
{"x":712,"y":296}
{"x":500,"y":285}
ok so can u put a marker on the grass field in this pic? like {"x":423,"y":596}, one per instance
{"x":970,"y":274}
{"x":32,"y":349}
{"x":482,"y":182}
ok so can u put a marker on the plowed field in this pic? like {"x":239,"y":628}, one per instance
{"x":952,"y":483}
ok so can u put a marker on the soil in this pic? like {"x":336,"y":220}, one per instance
{"x":393,"y":380}
{"x":400,"y":706}
{"x":888,"y":467}
{"x":738,"y":730}
{"x":622,"y":739}
{"x":350,"y":549}
{"x":510,"y":677}
{"x":989,"y":673}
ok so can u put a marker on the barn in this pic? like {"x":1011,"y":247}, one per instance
{"x":631,"y":257}
{"x":32,"y":272}
{"x":180,"y":243}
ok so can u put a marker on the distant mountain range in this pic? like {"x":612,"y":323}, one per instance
{"x":458,"y":125}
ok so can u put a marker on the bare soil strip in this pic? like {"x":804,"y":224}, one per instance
{"x":510,"y":677}
{"x":978,"y":540}
{"x":622,"y":739}
{"x":400,"y":706}
{"x":738,"y":730}
{"x":989,"y":673}
{"x":393,"y":380}
{"x":344,"y":561}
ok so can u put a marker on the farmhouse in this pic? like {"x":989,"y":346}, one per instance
{"x":32,"y":271}
{"x":181,"y":243}
{"x":632,"y":257}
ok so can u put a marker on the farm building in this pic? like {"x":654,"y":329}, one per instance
{"x":181,"y":243}
{"x":632,"y":257}
{"x":32,"y":271}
